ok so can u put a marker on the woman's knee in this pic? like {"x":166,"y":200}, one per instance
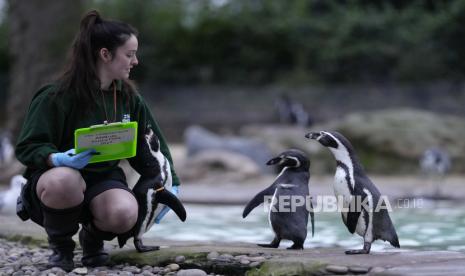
{"x":61,"y":187}
{"x":115,"y":211}
{"x":123,"y":218}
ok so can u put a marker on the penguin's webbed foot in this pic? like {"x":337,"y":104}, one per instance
{"x":357,"y":251}
{"x":144,"y":248}
{"x":296,"y":246}
{"x":268,"y":245}
{"x":273,"y":244}
{"x":365,"y":250}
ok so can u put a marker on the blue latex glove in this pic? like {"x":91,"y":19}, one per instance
{"x":174,"y":191}
{"x":71,"y":159}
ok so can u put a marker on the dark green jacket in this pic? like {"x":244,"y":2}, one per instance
{"x":51,"y":120}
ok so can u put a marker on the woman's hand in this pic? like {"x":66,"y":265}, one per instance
{"x":71,"y":159}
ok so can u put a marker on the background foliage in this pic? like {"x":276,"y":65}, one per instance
{"x":300,"y":41}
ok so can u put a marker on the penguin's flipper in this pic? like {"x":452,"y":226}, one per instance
{"x":312,"y":218}
{"x":170,"y":200}
{"x":352,"y":219}
{"x":144,"y":248}
{"x":257,"y":200}
{"x":355,"y":209}
{"x":395,"y":241}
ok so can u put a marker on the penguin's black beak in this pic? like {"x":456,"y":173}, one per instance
{"x":313,"y":135}
{"x":274,"y":161}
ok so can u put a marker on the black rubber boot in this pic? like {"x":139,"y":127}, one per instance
{"x":91,"y":240}
{"x":61,"y":225}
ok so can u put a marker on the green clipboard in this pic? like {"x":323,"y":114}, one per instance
{"x":111,"y":141}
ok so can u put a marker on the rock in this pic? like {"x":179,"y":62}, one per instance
{"x":180,"y":259}
{"x":337,"y":269}
{"x":213,"y":255}
{"x":132,"y":269}
{"x":377,"y":269}
{"x":257,"y":259}
{"x":156,"y":269}
{"x":191,"y":272}
{"x":9,"y":271}
{"x":244,"y":261}
{"x":36,"y":260}
{"x":358,"y":269}
{"x":255,"y":254}
{"x":198,"y":139}
{"x":12,"y":258}
{"x":80,"y":270}
{"x":213,"y":162}
{"x":173,"y":267}
{"x":254,"y":264}
{"x":147,"y":267}
{"x":27,"y":267}
{"x":225,"y":257}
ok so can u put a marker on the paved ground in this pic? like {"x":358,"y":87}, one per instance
{"x":282,"y":261}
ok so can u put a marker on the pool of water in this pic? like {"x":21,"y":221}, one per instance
{"x":420,"y":226}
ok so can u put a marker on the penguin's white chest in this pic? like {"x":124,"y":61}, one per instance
{"x":167,"y":179}
{"x":341,"y":184}
{"x":341,"y":190}
{"x":165,"y":171}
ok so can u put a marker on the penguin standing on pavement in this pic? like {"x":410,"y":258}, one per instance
{"x":291,"y":185}
{"x":152,"y":191}
{"x":353,"y":187}
{"x":435,"y":163}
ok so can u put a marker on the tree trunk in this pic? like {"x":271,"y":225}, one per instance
{"x":40,"y":35}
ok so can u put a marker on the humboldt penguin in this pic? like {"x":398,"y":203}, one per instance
{"x":435,"y":163}
{"x":288,"y":223}
{"x":152,"y":190}
{"x":353,"y":187}
{"x":8,"y":198}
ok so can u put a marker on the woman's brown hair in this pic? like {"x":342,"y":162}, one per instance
{"x":80,"y":76}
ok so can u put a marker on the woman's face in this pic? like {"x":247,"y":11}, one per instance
{"x":123,"y":60}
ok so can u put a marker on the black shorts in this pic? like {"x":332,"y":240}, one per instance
{"x":95,"y":185}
